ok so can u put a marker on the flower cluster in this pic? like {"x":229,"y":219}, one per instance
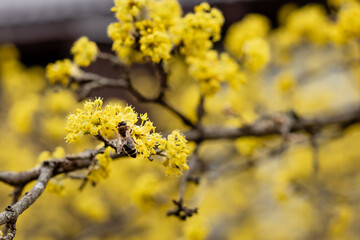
{"x":176,"y":151}
{"x":84,"y":51}
{"x":61,"y":71}
{"x":197,"y":31}
{"x":256,"y":54}
{"x":298,"y":25}
{"x":96,"y":120}
{"x":143,"y":30}
{"x":102,"y":169}
{"x":246,"y":41}
{"x":211,"y":70}
{"x":349,"y":20}
{"x":252,"y":26}
{"x":59,"y":152}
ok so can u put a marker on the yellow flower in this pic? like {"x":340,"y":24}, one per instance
{"x":56,"y":186}
{"x":102,"y":169}
{"x":84,"y":51}
{"x":301,"y":23}
{"x":121,"y":32}
{"x":176,"y":153}
{"x":128,"y":10}
{"x":60,"y":71}
{"x":252,"y":26}
{"x":349,"y":20}
{"x":167,"y":11}
{"x":247,"y":145}
{"x":196,"y":229}
{"x":199,"y":30}
{"x":285,"y":82}
{"x":145,"y":189}
{"x":22,"y":113}
{"x":211,"y":71}
{"x":256,"y":54}
{"x":154,"y":40}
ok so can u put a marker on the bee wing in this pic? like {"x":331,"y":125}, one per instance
{"x":130,"y":142}
{"x":119,"y":145}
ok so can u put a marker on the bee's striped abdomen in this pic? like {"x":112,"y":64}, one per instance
{"x":130,"y":151}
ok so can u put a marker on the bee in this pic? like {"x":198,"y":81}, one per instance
{"x":125,"y":140}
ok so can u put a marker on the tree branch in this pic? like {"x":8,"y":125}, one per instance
{"x":12,"y":212}
{"x":275,"y":125}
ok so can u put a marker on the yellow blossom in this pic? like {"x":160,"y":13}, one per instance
{"x":56,"y":186}
{"x":154,"y":41}
{"x":211,"y":71}
{"x":252,"y":26}
{"x":128,"y":10}
{"x":176,"y":153}
{"x":196,"y":229}
{"x":256,"y":54}
{"x":199,"y":30}
{"x":91,"y":205}
{"x":145,"y":190}
{"x":59,"y":152}
{"x":341,"y":220}
{"x":45,"y":155}
{"x":167,"y":11}
{"x":22,"y":112}
{"x":60,"y":71}
{"x":247,"y":145}
{"x":301,"y":23}
{"x":102,"y":169}
{"x":349,"y":20}
{"x":59,"y":101}
{"x":84,"y":51}
{"x":285,"y":82}
{"x":94,"y":120}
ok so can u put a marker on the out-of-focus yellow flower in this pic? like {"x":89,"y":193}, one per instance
{"x":91,"y":205}
{"x":53,"y":127}
{"x":84,"y":51}
{"x":59,"y":152}
{"x":45,"y":155}
{"x":55,"y":186}
{"x":252,"y":26}
{"x":145,"y":190}
{"x":59,"y":102}
{"x":285,"y":11}
{"x":8,"y":52}
{"x":341,"y":220}
{"x":22,"y":113}
{"x":256,"y":54}
{"x":196,"y":229}
{"x":60,"y":71}
{"x":339,"y":3}
{"x":176,"y":153}
{"x":349,"y":20}
{"x":211,"y":71}
{"x":247,"y":145}
{"x":309,"y":22}
{"x":102,"y":169}
{"x":285,"y":82}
